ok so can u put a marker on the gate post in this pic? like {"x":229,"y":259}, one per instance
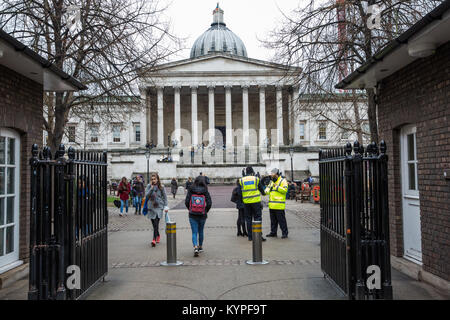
{"x":34,"y":163}
{"x":60,"y":221}
{"x":348,"y":202}
{"x":386,"y":266}
{"x":357,"y":184}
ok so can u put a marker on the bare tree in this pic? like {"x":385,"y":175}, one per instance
{"x":113,"y":41}
{"x":330,"y":38}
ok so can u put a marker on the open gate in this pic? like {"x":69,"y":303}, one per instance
{"x":68,"y":223}
{"x":354,"y":220}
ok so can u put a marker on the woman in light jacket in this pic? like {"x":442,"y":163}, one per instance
{"x":157,"y":205}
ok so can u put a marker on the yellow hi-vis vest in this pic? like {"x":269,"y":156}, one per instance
{"x":277,"y":197}
{"x":249,"y":187}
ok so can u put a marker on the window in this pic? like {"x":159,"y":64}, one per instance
{"x":366,"y":128}
{"x":94,"y":133}
{"x":116,"y":133}
{"x":345,"y":134}
{"x":302,"y":131}
{"x":9,"y":196}
{"x":137,"y":132}
{"x":71,"y":133}
{"x":322,"y":130}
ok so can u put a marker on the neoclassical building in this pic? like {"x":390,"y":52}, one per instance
{"x":216,"y":112}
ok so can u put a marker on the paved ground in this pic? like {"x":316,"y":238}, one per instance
{"x":221,"y":271}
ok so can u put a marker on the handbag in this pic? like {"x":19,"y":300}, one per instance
{"x":145,"y":208}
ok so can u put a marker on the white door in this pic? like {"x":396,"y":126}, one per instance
{"x":410,"y":196}
{"x":9,"y":198}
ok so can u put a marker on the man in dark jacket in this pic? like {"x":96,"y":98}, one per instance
{"x":236,"y":197}
{"x":197,"y":220}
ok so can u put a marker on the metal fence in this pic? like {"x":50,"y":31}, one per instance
{"x":354,"y":220}
{"x":68,"y":222}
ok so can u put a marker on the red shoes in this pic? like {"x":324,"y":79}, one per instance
{"x":153,"y":243}
{"x":157,"y":239}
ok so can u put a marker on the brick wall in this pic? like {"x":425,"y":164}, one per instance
{"x":420,"y":94}
{"x":21,"y":110}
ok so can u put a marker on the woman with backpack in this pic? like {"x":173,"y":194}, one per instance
{"x":123,"y":192}
{"x":198,"y":202}
{"x":157,"y":204}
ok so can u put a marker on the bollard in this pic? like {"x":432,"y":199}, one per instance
{"x":257,"y":244}
{"x":171,"y":234}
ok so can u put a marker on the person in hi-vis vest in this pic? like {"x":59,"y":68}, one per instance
{"x":252,"y":189}
{"x":277,"y":190}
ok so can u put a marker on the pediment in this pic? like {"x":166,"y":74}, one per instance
{"x":220,"y":64}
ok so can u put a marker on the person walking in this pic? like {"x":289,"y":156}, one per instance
{"x":174,"y":187}
{"x":277,"y":190}
{"x":236,"y":197}
{"x":123,"y":192}
{"x":251,"y":190}
{"x":198,"y":201}
{"x":189,"y":183}
{"x":156,"y":196}
{"x":139,"y":189}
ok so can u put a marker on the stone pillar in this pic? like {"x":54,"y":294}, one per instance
{"x":212,"y":127}
{"x":177,"y":119}
{"x":245,"y":119}
{"x":296,"y":117}
{"x":290,"y":118}
{"x":194,"y":131}
{"x":228,"y":117}
{"x":160,"y":93}
{"x":146,"y":109}
{"x":279,"y":115}
{"x":262,"y":116}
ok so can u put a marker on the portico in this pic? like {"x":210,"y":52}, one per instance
{"x":192,"y":100}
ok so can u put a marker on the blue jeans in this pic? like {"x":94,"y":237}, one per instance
{"x":122,"y":203}
{"x":197,"y":226}
{"x":138,"y":203}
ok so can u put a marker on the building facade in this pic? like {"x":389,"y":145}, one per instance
{"x":216,"y":112}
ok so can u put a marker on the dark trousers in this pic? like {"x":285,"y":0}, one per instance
{"x":278,"y":217}
{"x":241,"y":222}
{"x":155,"y":223}
{"x":252,"y":212}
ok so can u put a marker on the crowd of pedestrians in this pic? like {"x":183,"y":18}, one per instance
{"x":247,"y":195}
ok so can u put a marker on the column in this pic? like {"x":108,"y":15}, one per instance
{"x":245,"y":120}
{"x":177,"y":120}
{"x":296,"y":117}
{"x":262,"y":116}
{"x":194,"y":131}
{"x":228,"y":117}
{"x":279,"y":115}
{"x":146,"y":108}
{"x":290,"y":117}
{"x":211,"y":115}
{"x":160,"y":93}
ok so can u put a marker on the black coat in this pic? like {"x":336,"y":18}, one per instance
{"x":200,"y":191}
{"x":236,"y":197}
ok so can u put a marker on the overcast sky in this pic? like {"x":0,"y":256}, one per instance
{"x":248,"y":19}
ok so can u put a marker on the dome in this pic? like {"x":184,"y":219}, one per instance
{"x":218,"y":38}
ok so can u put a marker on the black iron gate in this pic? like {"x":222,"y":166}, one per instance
{"x":68,"y":223}
{"x":354,"y":220}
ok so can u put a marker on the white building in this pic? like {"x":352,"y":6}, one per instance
{"x":231,"y":110}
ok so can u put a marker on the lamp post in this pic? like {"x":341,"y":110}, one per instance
{"x":291,"y":153}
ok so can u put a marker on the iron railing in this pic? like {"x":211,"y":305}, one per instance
{"x":354,"y":220}
{"x":68,"y":222}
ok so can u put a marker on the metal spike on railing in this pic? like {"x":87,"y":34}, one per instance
{"x":71,"y":153}
{"x":383,"y":147}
